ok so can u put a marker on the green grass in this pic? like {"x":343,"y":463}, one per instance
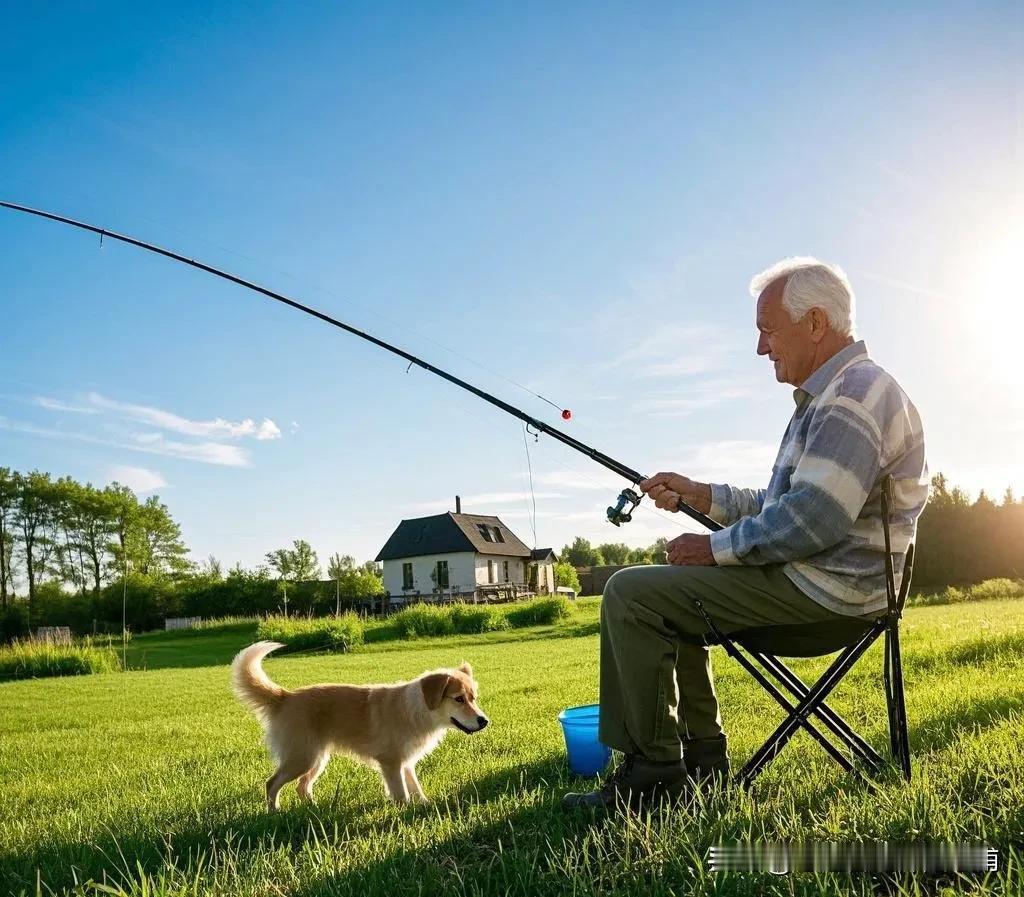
{"x":149,"y":782}
{"x":39,"y":660}
{"x":340,"y":633}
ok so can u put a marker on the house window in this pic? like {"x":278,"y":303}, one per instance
{"x":504,"y":569}
{"x":485,"y":532}
{"x":490,"y":571}
{"x":406,"y":576}
{"x":498,"y":537}
{"x":544,"y":577}
{"x":442,"y":574}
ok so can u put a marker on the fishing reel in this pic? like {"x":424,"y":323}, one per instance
{"x":618,"y":513}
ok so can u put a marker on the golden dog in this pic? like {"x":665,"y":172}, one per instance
{"x":389,"y":727}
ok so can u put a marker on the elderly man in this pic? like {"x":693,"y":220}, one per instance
{"x":807,"y":548}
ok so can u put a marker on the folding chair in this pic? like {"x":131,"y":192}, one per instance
{"x":853,"y":638}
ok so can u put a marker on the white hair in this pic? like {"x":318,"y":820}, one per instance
{"x":811,"y":284}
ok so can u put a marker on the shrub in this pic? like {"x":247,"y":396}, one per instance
{"x":13,"y":622}
{"x":423,"y":619}
{"x":298,"y":634}
{"x":997,"y":588}
{"x":540,"y":611}
{"x":472,"y":618}
{"x":34,"y":660}
{"x":218,"y":626}
{"x":566,"y":575}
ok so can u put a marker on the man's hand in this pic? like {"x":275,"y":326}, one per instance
{"x":668,"y":488}
{"x":690,"y":550}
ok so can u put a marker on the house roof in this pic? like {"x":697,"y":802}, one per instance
{"x":542,"y":554}
{"x":446,"y":533}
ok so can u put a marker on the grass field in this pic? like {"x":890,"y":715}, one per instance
{"x":149,"y":782}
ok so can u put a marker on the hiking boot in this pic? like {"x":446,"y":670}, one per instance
{"x":634,"y":782}
{"x":707,"y":760}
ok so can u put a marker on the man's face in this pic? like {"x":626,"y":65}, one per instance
{"x":787,"y":343}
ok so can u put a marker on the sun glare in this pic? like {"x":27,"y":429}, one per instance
{"x":999,"y":287}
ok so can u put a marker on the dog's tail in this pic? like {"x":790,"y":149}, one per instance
{"x":251,"y":684}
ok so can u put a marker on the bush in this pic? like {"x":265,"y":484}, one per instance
{"x":218,"y":626}
{"x":34,"y":660}
{"x":423,"y":619}
{"x":13,"y":622}
{"x":473,"y":618}
{"x":997,"y":588}
{"x":297,"y":634}
{"x":984,"y":591}
{"x":566,"y":575}
{"x":540,"y":611}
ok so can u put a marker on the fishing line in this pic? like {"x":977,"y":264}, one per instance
{"x":617,"y":514}
{"x":533,"y":495}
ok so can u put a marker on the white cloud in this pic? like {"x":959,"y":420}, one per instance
{"x":150,"y":443}
{"x":58,"y":405}
{"x":168,"y":420}
{"x":206,"y":452}
{"x":268,"y":430}
{"x":138,"y":479}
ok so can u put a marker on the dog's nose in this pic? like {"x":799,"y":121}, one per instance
{"x":482,"y":721}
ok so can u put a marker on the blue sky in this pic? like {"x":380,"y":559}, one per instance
{"x":571,"y":197}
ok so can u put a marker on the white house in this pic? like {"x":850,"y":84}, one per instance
{"x":462,"y":555}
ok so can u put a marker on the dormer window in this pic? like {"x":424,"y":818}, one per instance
{"x":485,"y":532}
{"x":498,"y":537}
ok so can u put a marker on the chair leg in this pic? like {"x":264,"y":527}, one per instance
{"x":899,"y":738}
{"x":748,"y":773}
{"x":807,"y":705}
{"x":829,"y":718}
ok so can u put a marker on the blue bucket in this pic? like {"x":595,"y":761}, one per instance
{"x":587,"y":756}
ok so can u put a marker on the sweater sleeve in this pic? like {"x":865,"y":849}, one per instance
{"x":729,"y":503}
{"x":828,"y":488}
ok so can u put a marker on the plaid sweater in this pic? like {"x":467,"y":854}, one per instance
{"x":821,"y":513}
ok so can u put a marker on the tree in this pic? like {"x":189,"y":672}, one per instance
{"x":34,"y":494}
{"x":7,"y":553}
{"x":305,"y":565}
{"x":96,"y":516}
{"x":566,"y":575}
{"x":615,"y":553}
{"x":581,"y":554}
{"x":983,"y":502}
{"x":159,"y":540}
{"x":640,"y":556}
{"x":8,"y":497}
{"x":212,"y":569}
{"x":123,"y":545}
{"x":280,"y":561}
{"x":69,"y":562}
{"x":659,"y":551}
{"x":337,"y":567}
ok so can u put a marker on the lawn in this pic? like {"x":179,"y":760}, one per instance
{"x":150,"y":781}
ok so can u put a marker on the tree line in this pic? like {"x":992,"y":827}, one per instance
{"x":79,"y":536}
{"x":97,"y":559}
{"x":959,"y":540}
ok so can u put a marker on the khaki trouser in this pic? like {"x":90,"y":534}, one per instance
{"x":656,"y":684}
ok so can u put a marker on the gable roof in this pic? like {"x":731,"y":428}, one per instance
{"x":542,"y":554}
{"x":446,"y":533}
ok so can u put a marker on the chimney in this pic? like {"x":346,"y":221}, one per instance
{"x":458,"y":505}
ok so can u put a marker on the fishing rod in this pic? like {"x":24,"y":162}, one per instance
{"x":619,"y":513}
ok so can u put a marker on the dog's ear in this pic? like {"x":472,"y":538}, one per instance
{"x":433,"y":688}
{"x":464,"y":667}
